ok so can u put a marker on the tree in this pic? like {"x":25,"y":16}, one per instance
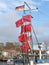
{"x":9,"y":44}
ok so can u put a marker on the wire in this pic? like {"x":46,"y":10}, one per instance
{"x":35,"y":35}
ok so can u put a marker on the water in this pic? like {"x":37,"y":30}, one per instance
{"x":4,"y":63}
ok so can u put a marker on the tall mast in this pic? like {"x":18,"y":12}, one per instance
{"x":31,"y":42}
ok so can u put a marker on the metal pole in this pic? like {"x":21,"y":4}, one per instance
{"x":23,"y":43}
{"x":31,"y":41}
{"x":32,"y":28}
{"x":32,"y":17}
{"x":30,"y":22}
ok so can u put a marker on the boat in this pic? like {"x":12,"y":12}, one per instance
{"x":10,"y":61}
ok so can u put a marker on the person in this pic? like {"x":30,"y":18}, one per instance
{"x":36,"y":57}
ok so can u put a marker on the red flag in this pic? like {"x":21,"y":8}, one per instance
{"x":22,"y":38}
{"x":27,"y":18}
{"x":25,"y":47}
{"x":19,"y":23}
{"x":26,"y":28}
{"x":29,"y":38}
{"x":20,"y":7}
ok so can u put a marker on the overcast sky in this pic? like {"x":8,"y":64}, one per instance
{"x":8,"y":17}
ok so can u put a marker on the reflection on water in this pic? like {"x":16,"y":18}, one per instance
{"x":3,"y":63}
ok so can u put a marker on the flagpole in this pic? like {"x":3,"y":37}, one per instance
{"x":32,"y":26}
{"x":24,"y":33}
{"x":27,"y":50}
{"x":30,"y":22}
{"x":24,"y":37}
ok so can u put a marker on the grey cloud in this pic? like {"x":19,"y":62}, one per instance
{"x":9,"y":32}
